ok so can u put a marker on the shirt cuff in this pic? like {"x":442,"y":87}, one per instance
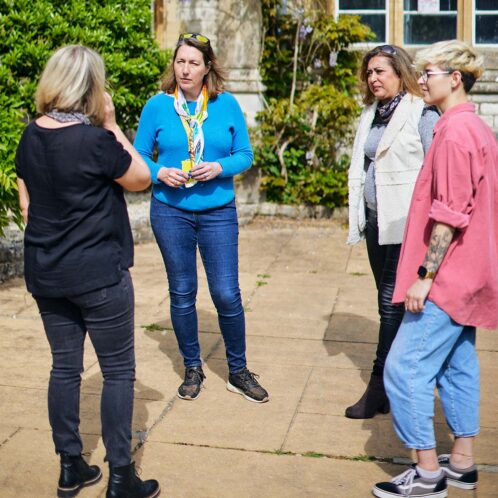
{"x":441,"y":213}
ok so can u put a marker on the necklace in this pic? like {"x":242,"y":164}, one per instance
{"x":68,"y":117}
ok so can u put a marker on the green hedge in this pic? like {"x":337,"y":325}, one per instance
{"x":30,"y":31}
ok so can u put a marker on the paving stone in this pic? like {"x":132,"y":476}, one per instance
{"x":221,"y":418}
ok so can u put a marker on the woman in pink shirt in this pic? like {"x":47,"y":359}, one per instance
{"x":447,"y":278}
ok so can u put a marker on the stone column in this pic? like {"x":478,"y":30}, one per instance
{"x":235,"y":30}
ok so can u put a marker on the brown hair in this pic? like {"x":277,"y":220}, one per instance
{"x":214,"y":79}
{"x":402,"y":65}
{"x":73,"y":80}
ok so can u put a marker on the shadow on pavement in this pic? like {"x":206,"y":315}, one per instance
{"x":90,"y":426}
{"x":355,"y":337}
{"x":209,"y":337}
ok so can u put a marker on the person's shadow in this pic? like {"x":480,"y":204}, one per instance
{"x":356,"y":337}
{"x":90,"y":427}
{"x":210,"y":340}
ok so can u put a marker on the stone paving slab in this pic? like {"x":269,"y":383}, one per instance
{"x":222,"y":418}
{"x":312,"y":325}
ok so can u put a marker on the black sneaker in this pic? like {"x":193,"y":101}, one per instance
{"x":459,"y":478}
{"x":245,"y":383}
{"x":409,"y":483}
{"x":191,"y":386}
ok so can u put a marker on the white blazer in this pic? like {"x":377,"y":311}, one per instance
{"x":398,"y":160}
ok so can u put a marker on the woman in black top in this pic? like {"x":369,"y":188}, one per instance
{"x":72,"y":164}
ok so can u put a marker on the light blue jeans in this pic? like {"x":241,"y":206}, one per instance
{"x":432,"y":350}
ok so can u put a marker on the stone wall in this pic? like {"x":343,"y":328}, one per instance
{"x":235,"y":30}
{"x":485,"y":93}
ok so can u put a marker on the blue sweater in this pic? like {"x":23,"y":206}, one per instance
{"x":226,"y":141}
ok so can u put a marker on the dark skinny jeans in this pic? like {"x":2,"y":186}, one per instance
{"x":384,"y":262}
{"x":108,"y":315}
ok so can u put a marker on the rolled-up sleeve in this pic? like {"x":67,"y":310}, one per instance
{"x":453,"y":185}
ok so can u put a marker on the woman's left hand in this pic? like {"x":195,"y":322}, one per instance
{"x":204,"y":172}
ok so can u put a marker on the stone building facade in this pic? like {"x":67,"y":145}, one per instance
{"x":235,"y":28}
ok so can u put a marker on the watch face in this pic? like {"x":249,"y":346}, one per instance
{"x":422,"y":271}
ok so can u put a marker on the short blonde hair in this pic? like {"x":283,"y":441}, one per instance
{"x":73,"y":81}
{"x":401,"y":63}
{"x":453,"y":54}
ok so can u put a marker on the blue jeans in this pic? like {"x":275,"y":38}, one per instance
{"x":431,"y":349}
{"x":215,"y":232}
{"x":108,"y":315}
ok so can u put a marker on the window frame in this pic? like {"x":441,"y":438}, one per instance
{"x":475,"y":13}
{"x":386,"y":11}
{"x":443,"y":13}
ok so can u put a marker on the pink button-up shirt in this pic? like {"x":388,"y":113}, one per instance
{"x":457,"y":186}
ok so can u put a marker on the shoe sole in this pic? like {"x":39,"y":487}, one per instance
{"x":69,"y":492}
{"x":460,"y":484}
{"x":385,"y":494}
{"x":156,"y":493}
{"x":187,"y":398}
{"x":236,"y":390}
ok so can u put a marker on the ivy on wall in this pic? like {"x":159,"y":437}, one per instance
{"x":30,"y":31}
{"x":310,"y":75}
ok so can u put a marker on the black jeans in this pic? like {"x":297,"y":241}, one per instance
{"x":383,"y":261}
{"x":108,"y":315}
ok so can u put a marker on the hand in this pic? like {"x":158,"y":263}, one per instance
{"x":173,"y":177}
{"x":417,"y":294}
{"x":204,"y":172}
{"x":109,"y":113}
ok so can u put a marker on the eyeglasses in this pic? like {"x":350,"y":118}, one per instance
{"x":425,"y":74}
{"x":195,"y":36}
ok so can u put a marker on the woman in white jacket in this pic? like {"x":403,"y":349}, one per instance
{"x":394,"y":133}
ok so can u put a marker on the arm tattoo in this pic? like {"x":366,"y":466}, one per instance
{"x":441,"y":238}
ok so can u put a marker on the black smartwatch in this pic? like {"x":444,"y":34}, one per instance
{"x":424,"y":273}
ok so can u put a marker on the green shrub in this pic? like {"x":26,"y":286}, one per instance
{"x":30,"y":30}
{"x":311,"y":85}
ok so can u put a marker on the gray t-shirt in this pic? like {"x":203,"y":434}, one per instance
{"x":425,"y":128}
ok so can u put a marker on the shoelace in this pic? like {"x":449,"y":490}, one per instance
{"x":250,"y":377}
{"x":191,"y":374}
{"x":406,"y":479}
{"x":443,"y":458}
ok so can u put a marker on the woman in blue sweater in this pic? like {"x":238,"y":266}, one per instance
{"x":202,"y":142}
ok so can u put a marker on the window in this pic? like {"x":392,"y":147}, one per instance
{"x":429,"y":21}
{"x":486,"y":21}
{"x":372,"y":12}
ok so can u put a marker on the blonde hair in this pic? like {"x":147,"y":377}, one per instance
{"x":402,"y":65}
{"x":73,"y":81}
{"x":214,"y":79}
{"x":455,"y":55}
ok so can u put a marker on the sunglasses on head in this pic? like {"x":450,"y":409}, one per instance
{"x":386,"y":49}
{"x":195,"y":36}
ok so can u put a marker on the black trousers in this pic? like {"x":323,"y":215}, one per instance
{"x":383,"y":261}
{"x":107,"y":315}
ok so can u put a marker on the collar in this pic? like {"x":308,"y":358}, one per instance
{"x":452,"y":111}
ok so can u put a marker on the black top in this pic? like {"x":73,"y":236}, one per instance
{"x":78,"y":237}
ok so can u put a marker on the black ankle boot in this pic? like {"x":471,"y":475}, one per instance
{"x":125,"y":483}
{"x":75,"y":474}
{"x":373,"y":401}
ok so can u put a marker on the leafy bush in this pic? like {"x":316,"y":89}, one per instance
{"x":30,"y":30}
{"x":311,"y":84}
